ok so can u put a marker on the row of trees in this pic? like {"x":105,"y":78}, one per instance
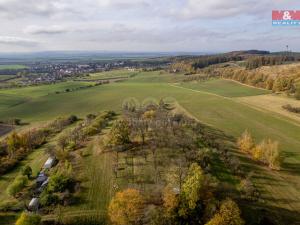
{"x":17,"y":145}
{"x":193,"y":204}
{"x":258,"y":61}
{"x":195,"y":64}
{"x":266,"y":151}
{"x":76,"y":138}
{"x":256,"y":78}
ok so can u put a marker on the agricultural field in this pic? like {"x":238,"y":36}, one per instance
{"x":273,"y":103}
{"x":226,"y":88}
{"x":16,"y":96}
{"x":222,"y":104}
{"x":110,"y":74}
{"x":5,"y":77}
{"x":12,"y":67}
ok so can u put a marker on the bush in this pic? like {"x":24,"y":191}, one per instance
{"x":58,"y":183}
{"x":27,"y":171}
{"x":47,"y":199}
{"x":29,"y":219}
{"x":11,"y":205}
{"x":17,"y":185}
{"x":245,"y":142}
{"x":72,"y":119}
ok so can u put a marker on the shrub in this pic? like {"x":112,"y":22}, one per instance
{"x":72,"y":119}
{"x":29,"y":219}
{"x":11,"y":205}
{"x":229,"y":213}
{"x":17,"y":185}
{"x":27,"y":171}
{"x":58,"y":183}
{"x":245,"y":142}
{"x":47,"y":198}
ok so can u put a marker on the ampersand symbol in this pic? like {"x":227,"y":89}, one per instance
{"x":286,"y":15}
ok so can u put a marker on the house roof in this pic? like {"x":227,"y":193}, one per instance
{"x":49,"y":163}
{"x":34,"y":202}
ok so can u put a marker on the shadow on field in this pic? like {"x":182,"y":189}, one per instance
{"x":268,"y":215}
{"x":265,"y":214}
{"x":293,"y":168}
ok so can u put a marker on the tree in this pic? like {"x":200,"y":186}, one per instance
{"x":27,"y":171}
{"x":13,"y":144}
{"x":229,"y":214}
{"x":245,"y":142}
{"x":119,"y":133}
{"x":170,"y":199}
{"x":271,"y":153}
{"x":247,"y":188}
{"x":192,"y":186}
{"x":29,"y":219}
{"x":62,"y":142}
{"x":126,"y":207}
{"x":176,"y":174}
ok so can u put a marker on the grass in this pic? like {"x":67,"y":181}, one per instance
{"x":225,"y":88}
{"x":211,"y":103}
{"x":110,"y":74}
{"x":12,"y":97}
{"x":12,"y":67}
{"x":35,"y":160}
{"x":5,"y":77}
{"x":274,"y":104}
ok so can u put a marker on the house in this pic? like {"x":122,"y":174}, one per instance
{"x":49,"y":163}
{"x":43,"y":185}
{"x":33,"y":204}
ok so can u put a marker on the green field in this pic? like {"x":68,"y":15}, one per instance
{"x":12,"y":97}
{"x":5,"y":77}
{"x":210,"y":102}
{"x":225,"y":88}
{"x":12,"y":67}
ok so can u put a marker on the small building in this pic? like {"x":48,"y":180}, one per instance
{"x":33,"y":204}
{"x":43,"y":185}
{"x":49,"y":163}
{"x":41,"y":178}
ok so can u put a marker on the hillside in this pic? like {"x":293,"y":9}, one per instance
{"x":221,"y":104}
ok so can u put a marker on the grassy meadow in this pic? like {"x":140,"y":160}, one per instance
{"x":5,"y":77}
{"x":225,"y":88}
{"x":12,"y":67}
{"x":213,"y":102}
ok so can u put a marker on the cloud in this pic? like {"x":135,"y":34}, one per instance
{"x":48,"y":30}
{"x":10,"y":40}
{"x":121,"y":4}
{"x":217,"y":9}
{"x":42,"y":8}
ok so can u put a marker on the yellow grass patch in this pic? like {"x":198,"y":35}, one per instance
{"x":272,"y":103}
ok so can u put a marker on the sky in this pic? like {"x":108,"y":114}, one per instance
{"x":144,"y":25}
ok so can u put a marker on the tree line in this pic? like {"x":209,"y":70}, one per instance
{"x":16,"y":146}
{"x":258,"y":61}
